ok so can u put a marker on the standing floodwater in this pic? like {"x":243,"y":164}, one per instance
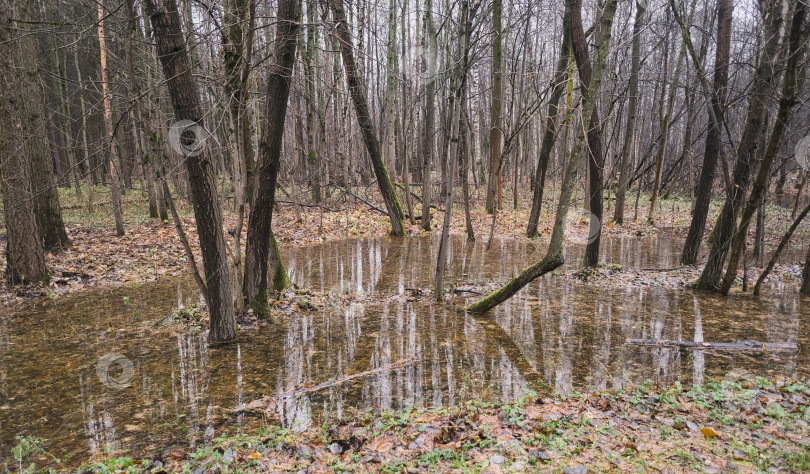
{"x":557,"y":334}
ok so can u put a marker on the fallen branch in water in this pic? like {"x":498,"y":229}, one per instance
{"x":271,"y":401}
{"x":462,"y":290}
{"x":746,"y":345}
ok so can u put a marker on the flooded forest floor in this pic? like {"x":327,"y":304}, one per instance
{"x":360,"y":370}
{"x":151,"y":250}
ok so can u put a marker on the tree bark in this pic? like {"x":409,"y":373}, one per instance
{"x":171,"y":49}
{"x":496,"y":111}
{"x":113,"y":162}
{"x":703,"y":192}
{"x":554,"y":255}
{"x":457,"y":87}
{"x":594,"y":134}
{"x":430,"y":111}
{"x":25,"y":257}
{"x":357,"y":90}
{"x":632,"y":110}
{"x":790,"y":91}
{"x":261,"y":245}
{"x":550,"y":128}
{"x":765,"y":80}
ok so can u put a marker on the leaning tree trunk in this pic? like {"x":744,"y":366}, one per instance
{"x":765,"y":80}
{"x":550,"y":127}
{"x":261,"y":244}
{"x":357,"y":90}
{"x":790,"y":90}
{"x":554,"y":256}
{"x":703,"y":193}
{"x":25,"y":258}
{"x":632,"y":110}
{"x":171,"y":49}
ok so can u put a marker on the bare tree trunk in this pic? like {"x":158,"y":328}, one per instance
{"x":494,"y":182}
{"x":357,"y":90}
{"x":780,"y":247}
{"x":88,"y":167}
{"x":430,"y":111}
{"x":550,"y":128}
{"x":790,"y":91}
{"x":765,"y":81}
{"x":112,"y":149}
{"x":261,"y":245}
{"x":554,"y":256}
{"x":595,"y":161}
{"x":666,"y":121}
{"x":632,"y":109}
{"x":458,"y":85}
{"x":703,"y":193}
{"x":171,"y":49}
{"x":25,"y":256}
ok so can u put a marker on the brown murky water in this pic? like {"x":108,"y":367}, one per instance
{"x":557,"y":334}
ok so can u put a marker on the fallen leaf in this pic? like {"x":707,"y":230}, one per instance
{"x":709,"y":433}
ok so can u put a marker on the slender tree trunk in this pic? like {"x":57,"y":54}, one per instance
{"x":496,"y":111}
{"x":594,"y":134}
{"x":457,"y":87}
{"x":357,"y":90}
{"x":765,"y":80}
{"x":171,"y":50}
{"x":310,"y":62}
{"x":782,"y":244}
{"x":261,"y":246}
{"x":88,"y":167}
{"x":112,"y":149}
{"x":554,"y":256}
{"x":666,"y":122}
{"x":703,"y":193}
{"x":790,"y":91}
{"x":632,"y":109}
{"x":550,"y":128}
{"x":430,"y":111}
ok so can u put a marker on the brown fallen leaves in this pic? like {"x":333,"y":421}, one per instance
{"x":669,"y":429}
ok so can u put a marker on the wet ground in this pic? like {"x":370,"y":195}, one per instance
{"x":558,"y":333}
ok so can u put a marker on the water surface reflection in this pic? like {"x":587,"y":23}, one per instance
{"x":557,"y":334}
